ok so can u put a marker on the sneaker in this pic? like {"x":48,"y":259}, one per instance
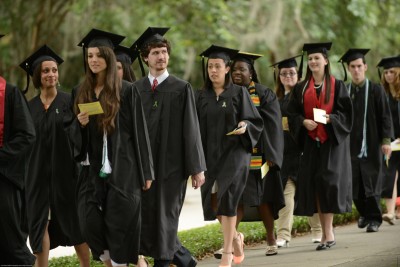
{"x":282,"y":243}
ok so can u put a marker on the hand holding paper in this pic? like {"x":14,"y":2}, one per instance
{"x":320,"y":115}
{"x":285,"y":124}
{"x":92,"y":108}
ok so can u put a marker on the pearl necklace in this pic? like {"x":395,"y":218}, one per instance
{"x":319,"y":86}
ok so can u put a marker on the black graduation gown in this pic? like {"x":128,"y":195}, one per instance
{"x":52,"y":176}
{"x":379,"y":126}
{"x":177,"y":152}
{"x":268,"y":190}
{"x":227,"y":157}
{"x":109,"y":208}
{"x":394,"y":161}
{"x":324,"y":171}
{"x":18,"y":138}
{"x":291,"y":152}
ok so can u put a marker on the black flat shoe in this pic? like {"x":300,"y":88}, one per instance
{"x":330,"y":244}
{"x":193,"y":262}
{"x":373,"y":227}
{"x":362,"y":222}
{"x":321,"y":247}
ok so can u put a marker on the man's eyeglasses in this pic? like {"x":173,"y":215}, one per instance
{"x":286,"y":74}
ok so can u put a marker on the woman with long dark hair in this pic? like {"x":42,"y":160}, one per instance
{"x":114,"y":144}
{"x":320,"y":119}
{"x":230,"y":127}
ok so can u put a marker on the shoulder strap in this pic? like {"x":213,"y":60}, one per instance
{"x":2,"y":107}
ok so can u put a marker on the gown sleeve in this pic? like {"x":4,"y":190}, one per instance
{"x":272,"y":138}
{"x":194,"y":154}
{"x":22,"y":132}
{"x":383,"y":111}
{"x":342,"y":114}
{"x":78,"y":136}
{"x":296,"y":115}
{"x":251,"y":116}
{"x":140,"y":134}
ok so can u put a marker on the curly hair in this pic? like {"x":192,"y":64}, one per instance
{"x":110,"y":95}
{"x":395,"y":85}
{"x":146,"y":48}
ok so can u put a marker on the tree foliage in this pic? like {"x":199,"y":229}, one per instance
{"x":274,"y":28}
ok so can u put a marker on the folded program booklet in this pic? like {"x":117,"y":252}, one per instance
{"x":92,"y":108}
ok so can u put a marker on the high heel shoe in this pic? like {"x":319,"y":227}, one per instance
{"x":330,"y":244}
{"x":228,"y":254}
{"x":236,"y":249}
{"x":142,"y":261}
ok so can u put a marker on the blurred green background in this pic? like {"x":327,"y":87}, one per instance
{"x":275,"y":28}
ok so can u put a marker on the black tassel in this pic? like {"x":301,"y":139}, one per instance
{"x":345,"y":72}
{"x":141,"y":65}
{"x":379,"y":73}
{"x":27,"y":80}
{"x":84,"y":57}
{"x":203,"y":68}
{"x":300,"y":72}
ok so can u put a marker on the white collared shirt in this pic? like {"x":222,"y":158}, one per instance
{"x":160,"y":78}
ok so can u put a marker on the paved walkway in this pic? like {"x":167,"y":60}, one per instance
{"x":191,"y":217}
{"x":354,"y":248}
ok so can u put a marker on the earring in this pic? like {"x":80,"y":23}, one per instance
{"x":251,"y":78}
{"x":58,"y":83}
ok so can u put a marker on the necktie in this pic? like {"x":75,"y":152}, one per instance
{"x":155,"y":83}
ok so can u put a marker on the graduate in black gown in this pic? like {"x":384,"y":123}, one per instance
{"x":115,"y":146}
{"x":264,"y":192}
{"x":222,"y":107}
{"x":324,"y":181}
{"x":169,"y":106}
{"x":285,"y":79}
{"x":390,"y":80}
{"x":17,"y":136}
{"x":125,"y":57}
{"x":52,"y":172}
{"x":369,"y":139}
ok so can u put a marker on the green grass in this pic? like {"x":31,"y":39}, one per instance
{"x":203,"y":241}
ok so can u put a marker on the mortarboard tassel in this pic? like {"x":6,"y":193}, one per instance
{"x":345,"y":72}
{"x":27,"y":81}
{"x":203,"y":68}
{"x":300,"y":72}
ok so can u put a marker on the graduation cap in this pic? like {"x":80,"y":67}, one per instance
{"x":150,"y":35}
{"x":125,"y":54}
{"x":388,"y":62}
{"x":285,"y":63}
{"x":312,"y":48}
{"x":44,"y":53}
{"x":350,"y":55}
{"x":247,"y":57}
{"x":97,"y":38}
{"x":215,"y":51}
